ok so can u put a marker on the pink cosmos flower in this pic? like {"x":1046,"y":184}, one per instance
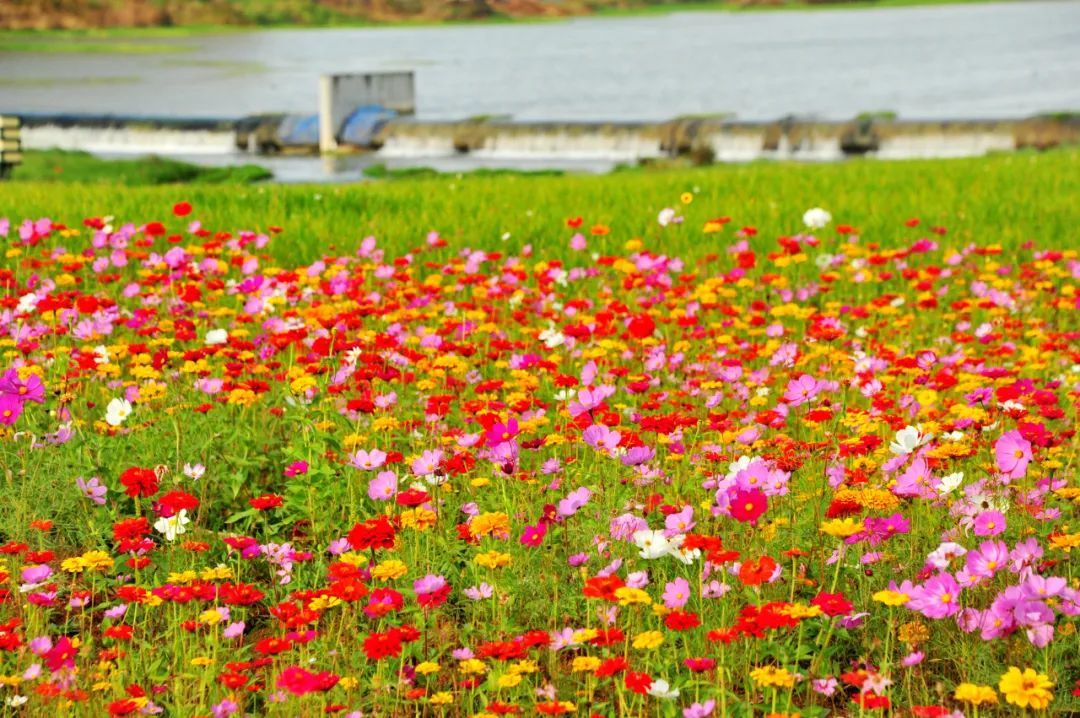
{"x":989,"y":523}
{"x":801,"y":390}
{"x":937,"y":597}
{"x":1013,"y":453}
{"x":383,"y":487}
{"x":676,"y":593}
{"x":368,"y":460}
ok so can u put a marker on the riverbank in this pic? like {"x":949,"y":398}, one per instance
{"x":70,"y":34}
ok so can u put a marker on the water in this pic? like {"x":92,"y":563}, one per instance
{"x":981,"y":61}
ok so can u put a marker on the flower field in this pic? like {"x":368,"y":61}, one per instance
{"x":673,"y":464}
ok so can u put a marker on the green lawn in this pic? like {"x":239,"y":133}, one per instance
{"x":53,"y":166}
{"x":1006,"y":199}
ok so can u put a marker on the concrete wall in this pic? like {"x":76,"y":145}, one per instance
{"x":339,"y":95}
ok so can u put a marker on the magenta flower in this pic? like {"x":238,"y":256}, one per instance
{"x":989,"y":523}
{"x":937,"y":597}
{"x":533,"y":535}
{"x":990,"y":558}
{"x":30,"y":390}
{"x":500,"y":432}
{"x":10,"y":409}
{"x":296,"y":468}
{"x":1013,"y":454}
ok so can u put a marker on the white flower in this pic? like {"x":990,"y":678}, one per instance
{"x":27,"y":302}
{"x":15,"y":701}
{"x":117,"y":411}
{"x":216,"y":336}
{"x":823,"y":261}
{"x":172,"y":526}
{"x":101,"y":355}
{"x":908,"y":439}
{"x":940,"y":557}
{"x":743,"y":462}
{"x":666,"y":216}
{"x":816,"y":218}
{"x":552,"y":337}
{"x":950,"y":483}
{"x":661,"y":689}
{"x":653,"y":544}
{"x":194,"y":472}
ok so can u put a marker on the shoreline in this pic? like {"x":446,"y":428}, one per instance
{"x":95,"y":40}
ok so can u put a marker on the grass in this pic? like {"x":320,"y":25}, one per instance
{"x":1008,"y":197}
{"x":47,"y":44}
{"x":63,"y":166}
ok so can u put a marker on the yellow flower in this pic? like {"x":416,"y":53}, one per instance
{"x":523,"y":666}
{"x":427,"y":668}
{"x":211,"y":617}
{"x":772,"y":676}
{"x":1027,"y":688}
{"x":686,"y":197}
{"x":629,"y":596}
{"x":975,"y":695}
{"x":585,"y":664}
{"x":348,"y":683}
{"x":493,"y":523}
{"x":202,"y":661}
{"x":584,"y":635}
{"x":493,"y":559}
{"x":441,"y":699}
{"x":509,"y":680}
{"x":891,"y":598}
{"x":472,"y":665}
{"x":419,"y":518}
{"x":389,"y":570}
{"x":841,"y":528}
{"x":648,"y":640}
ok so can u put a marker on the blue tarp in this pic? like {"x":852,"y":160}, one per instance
{"x":299,"y":130}
{"x":360,"y":127}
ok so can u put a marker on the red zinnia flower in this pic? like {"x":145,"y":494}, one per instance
{"x":638,"y":682}
{"x":139,"y":482}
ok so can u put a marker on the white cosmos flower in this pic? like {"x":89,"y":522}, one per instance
{"x":117,"y":411}
{"x":667,"y":214}
{"x":216,"y":336}
{"x":940,"y":557}
{"x":172,"y":526}
{"x":101,"y":355}
{"x":908,"y":439}
{"x":15,"y":701}
{"x":816,"y":218}
{"x":950,"y":483}
{"x":738,"y":465}
{"x":26,"y":304}
{"x":662,"y":689}
{"x":552,"y":337}
{"x":653,"y":544}
{"x":195,"y":472}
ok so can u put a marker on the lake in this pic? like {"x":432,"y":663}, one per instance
{"x":974,"y":60}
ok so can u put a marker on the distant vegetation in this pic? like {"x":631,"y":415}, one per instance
{"x":65,"y":166}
